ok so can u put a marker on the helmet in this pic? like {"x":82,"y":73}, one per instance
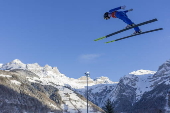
{"x":106,"y":16}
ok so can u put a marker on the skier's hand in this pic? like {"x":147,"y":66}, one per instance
{"x":123,"y":7}
{"x":130,"y":10}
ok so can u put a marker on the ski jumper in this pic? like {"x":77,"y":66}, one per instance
{"x":122,"y":15}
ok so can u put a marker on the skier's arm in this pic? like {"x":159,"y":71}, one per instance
{"x":115,"y":9}
{"x":128,"y":10}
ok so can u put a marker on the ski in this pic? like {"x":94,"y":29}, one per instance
{"x":135,"y":35}
{"x":140,"y":24}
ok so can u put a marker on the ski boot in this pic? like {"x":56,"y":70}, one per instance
{"x":129,"y":26}
{"x":137,"y":32}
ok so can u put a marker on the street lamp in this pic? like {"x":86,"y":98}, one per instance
{"x":87,"y":75}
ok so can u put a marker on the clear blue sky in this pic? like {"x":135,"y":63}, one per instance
{"x":60,"y":33}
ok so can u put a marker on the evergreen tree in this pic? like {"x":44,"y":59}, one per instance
{"x":108,"y":107}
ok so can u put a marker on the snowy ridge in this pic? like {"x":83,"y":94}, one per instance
{"x":140,"y":80}
{"x":162,"y":74}
{"x":15,"y":64}
{"x":142,"y":72}
{"x":103,"y":80}
{"x":37,"y":69}
{"x":48,"y":74}
{"x":138,"y":76}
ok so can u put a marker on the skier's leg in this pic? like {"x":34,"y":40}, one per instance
{"x":122,"y":15}
{"x":136,"y":29}
{"x":129,"y":22}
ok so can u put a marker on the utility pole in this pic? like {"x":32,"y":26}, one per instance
{"x":87,"y":75}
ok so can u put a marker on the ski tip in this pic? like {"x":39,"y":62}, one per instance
{"x":97,"y":39}
{"x":109,"y":41}
{"x":100,"y":38}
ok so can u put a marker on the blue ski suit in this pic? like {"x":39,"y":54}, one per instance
{"x":122,"y":15}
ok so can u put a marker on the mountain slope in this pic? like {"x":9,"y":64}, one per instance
{"x":24,"y":91}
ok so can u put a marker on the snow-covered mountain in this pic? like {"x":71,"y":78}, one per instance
{"x":45,"y":84}
{"x":51,"y":74}
{"x":40,"y":90}
{"x":138,"y":80}
{"x":135,"y":90}
{"x":141,"y":91}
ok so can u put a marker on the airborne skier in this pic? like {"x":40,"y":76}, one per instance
{"x":122,"y":15}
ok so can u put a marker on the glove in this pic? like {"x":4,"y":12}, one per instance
{"x":123,"y":7}
{"x":130,"y":10}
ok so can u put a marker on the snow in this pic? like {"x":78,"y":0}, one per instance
{"x":63,"y":80}
{"x":1,"y":65}
{"x":37,"y":69}
{"x":16,"y":82}
{"x":167,"y":108}
{"x":15,"y":64}
{"x":100,"y":87}
{"x":140,"y":80}
{"x":103,"y":80}
{"x":5,"y":75}
{"x":167,"y":82}
{"x":143,"y":85}
{"x":52,"y":105}
{"x":32,"y":79}
{"x":72,"y":102}
{"x":142,"y":72}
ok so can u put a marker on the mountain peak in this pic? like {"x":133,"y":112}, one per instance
{"x":17,"y":61}
{"x":36,"y":68}
{"x":15,"y":64}
{"x":103,"y":80}
{"x":142,"y":72}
